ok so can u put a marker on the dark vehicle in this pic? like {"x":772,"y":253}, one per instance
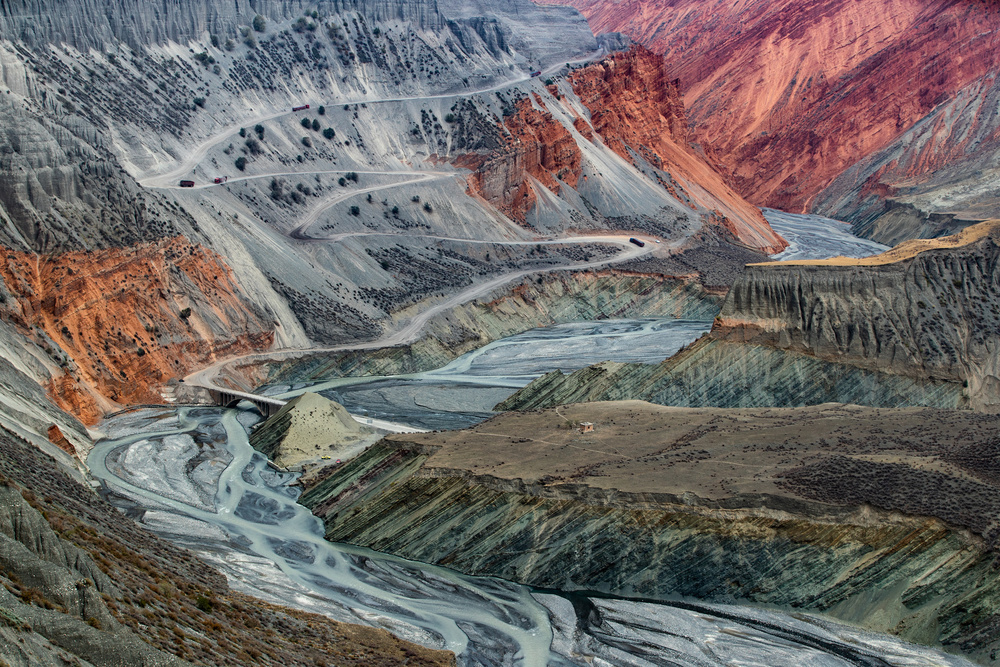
{"x":221,"y":179}
{"x":536,"y":73}
{"x":301,"y":108}
{"x":187,"y":184}
{"x":636,"y":241}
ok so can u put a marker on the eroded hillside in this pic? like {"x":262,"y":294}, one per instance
{"x":856,"y":512}
{"x":426,"y":160}
{"x":917,"y":326}
{"x":788,"y":96}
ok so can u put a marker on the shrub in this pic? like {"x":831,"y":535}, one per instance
{"x":352,"y":176}
{"x":199,"y":102}
{"x":428,"y":207}
{"x":259,"y":23}
{"x":254,"y":146}
{"x":204,"y":603}
{"x":230,"y":45}
{"x":186,"y":313}
{"x":259,"y":129}
{"x":241,"y":163}
{"x":307,"y":142}
{"x":341,"y":181}
{"x":415,"y":198}
{"x":243,"y":132}
{"x":355,"y":211}
{"x":395,"y":210}
{"x":450,"y":118}
{"x":329,"y":133}
{"x":215,"y":41}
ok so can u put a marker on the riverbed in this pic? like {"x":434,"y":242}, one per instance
{"x":192,"y":477}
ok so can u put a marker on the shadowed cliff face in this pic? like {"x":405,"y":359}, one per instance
{"x":124,"y":321}
{"x":787,"y":95}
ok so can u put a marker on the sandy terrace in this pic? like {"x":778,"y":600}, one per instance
{"x":711,"y":452}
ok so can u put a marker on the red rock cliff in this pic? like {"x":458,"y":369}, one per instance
{"x":127,"y":320}
{"x":785,"y":95}
{"x":538,"y":147}
{"x":634,"y":106}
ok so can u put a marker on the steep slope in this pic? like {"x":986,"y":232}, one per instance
{"x":812,"y":509}
{"x":559,"y":138}
{"x":915,"y":326}
{"x":120,"y":322}
{"x":786,"y":96}
{"x":82,"y":582}
{"x":428,"y":160}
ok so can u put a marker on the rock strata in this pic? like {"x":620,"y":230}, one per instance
{"x":916,"y":326}
{"x":811,"y":509}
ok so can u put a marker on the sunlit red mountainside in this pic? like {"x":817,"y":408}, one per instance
{"x":785,"y":95}
{"x":636,"y":111}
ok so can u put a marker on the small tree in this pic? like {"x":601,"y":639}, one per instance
{"x":259,"y":23}
{"x":199,"y":102}
{"x":329,"y":133}
{"x":241,"y":163}
{"x":428,"y":207}
{"x":450,"y":118}
{"x":230,"y":45}
{"x":186,"y":313}
{"x":307,"y":142}
{"x":321,"y":111}
{"x":315,"y":125}
{"x":355,"y":211}
{"x":243,"y":132}
{"x":259,"y":129}
{"x":305,"y":123}
{"x":342,"y":182}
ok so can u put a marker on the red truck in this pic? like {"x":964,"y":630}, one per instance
{"x":187,"y":184}
{"x":536,"y":73}
{"x":637,"y":242}
{"x":301,"y":108}
{"x":220,"y":179}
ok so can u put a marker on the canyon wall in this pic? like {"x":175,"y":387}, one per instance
{"x":627,"y":104}
{"x":786,"y":96}
{"x":916,"y":326}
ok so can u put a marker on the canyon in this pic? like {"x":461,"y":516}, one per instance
{"x":855,"y":110}
{"x":657,"y":502}
{"x":434,"y":211}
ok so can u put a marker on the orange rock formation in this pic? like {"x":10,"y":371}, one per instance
{"x":121,"y":322}
{"x":784,"y":95}
{"x":636,"y":108}
{"x":539,"y":148}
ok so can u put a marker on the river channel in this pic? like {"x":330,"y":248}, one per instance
{"x":190,"y":475}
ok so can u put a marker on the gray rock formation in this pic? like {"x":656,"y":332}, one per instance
{"x":919,"y":331}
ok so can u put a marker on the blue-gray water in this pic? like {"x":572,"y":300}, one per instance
{"x":464,"y":392}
